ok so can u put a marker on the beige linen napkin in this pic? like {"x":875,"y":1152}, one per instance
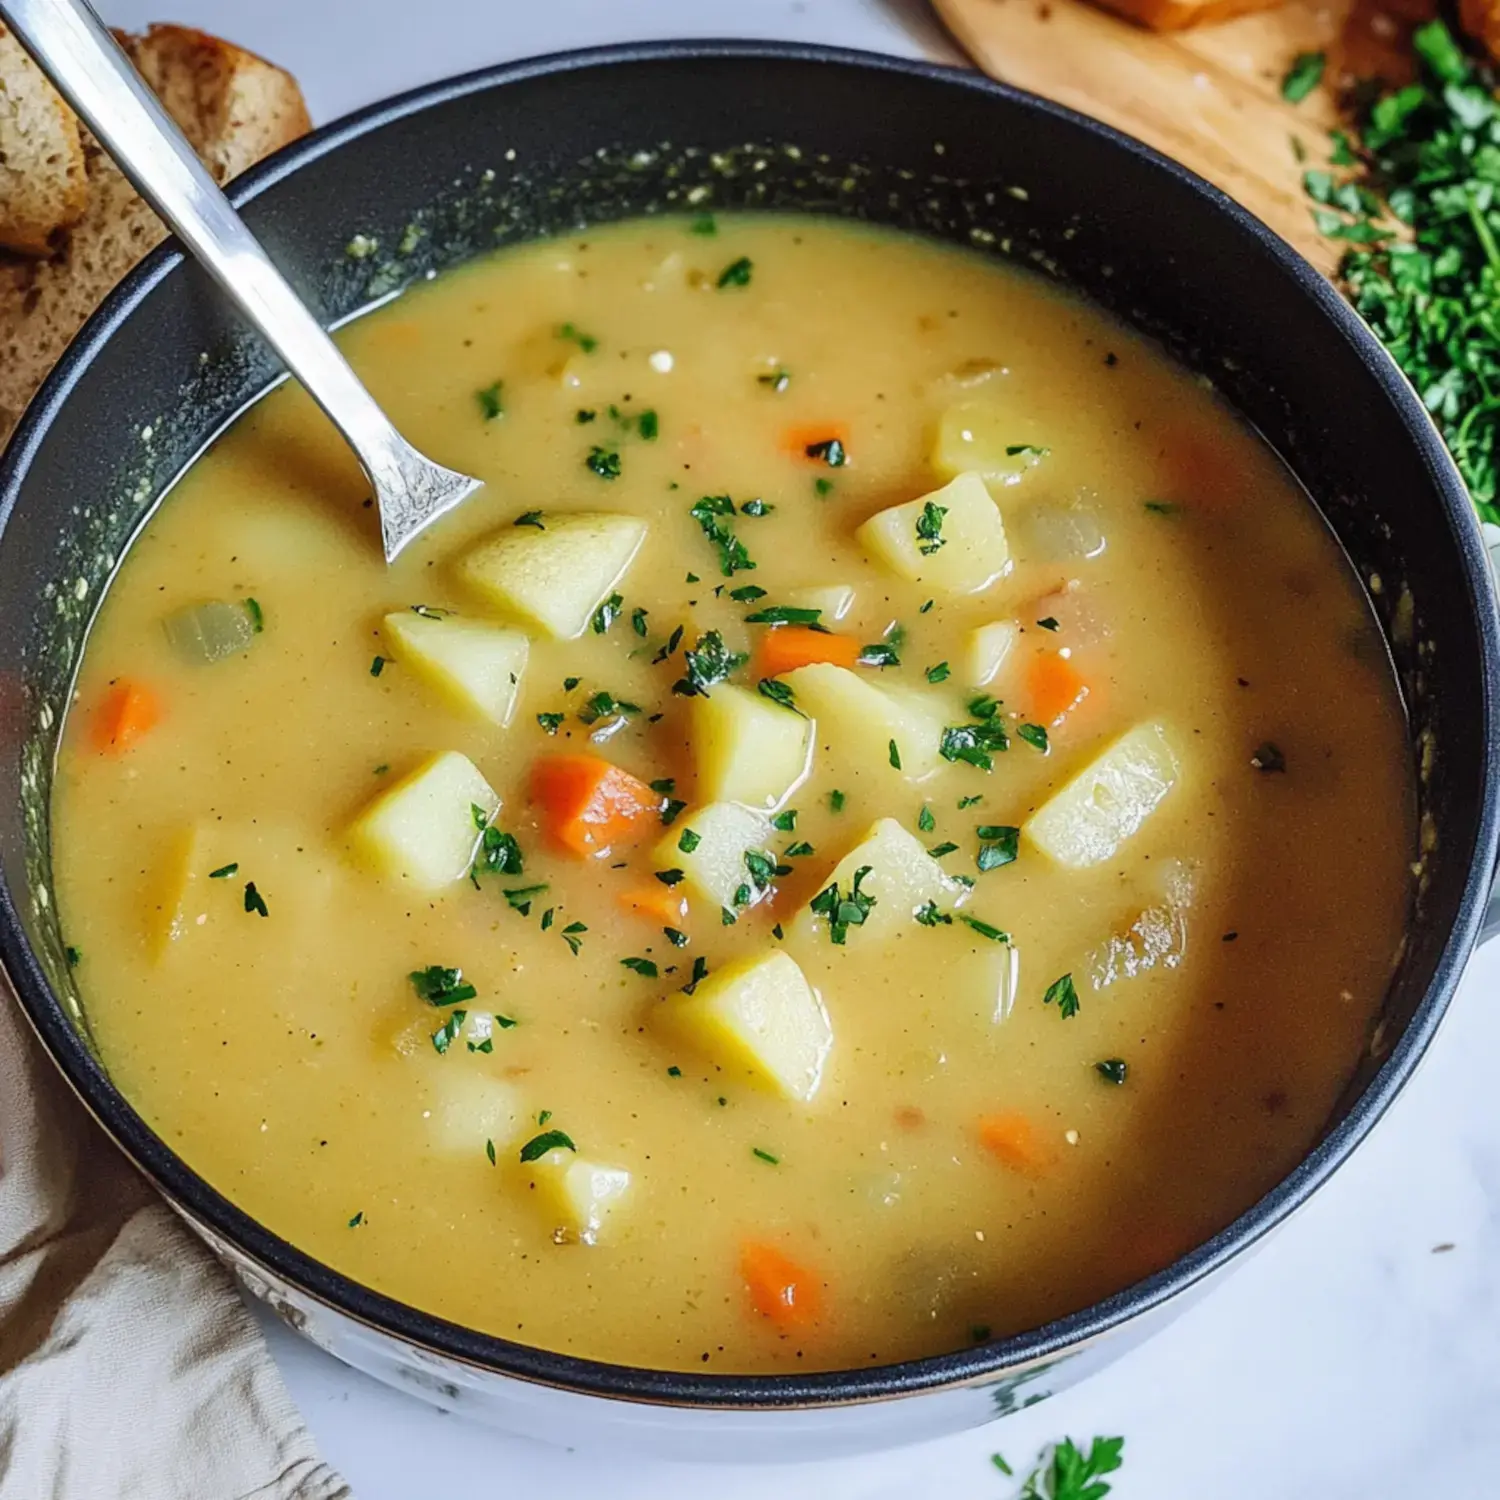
{"x":129,"y":1368}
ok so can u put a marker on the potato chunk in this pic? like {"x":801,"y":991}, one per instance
{"x":749,"y":749}
{"x":832,"y":600}
{"x":759,"y":1015}
{"x":952,"y":541}
{"x":1086,"y":821}
{"x":555,"y":576}
{"x":423,"y":829}
{"x":578,"y":1195}
{"x":476,"y":665}
{"x":852,"y":711}
{"x":989,"y":439}
{"x":986,"y":650}
{"x":467,"y":1105}
{"x":709,"y":846}
{"x":903,"y":877}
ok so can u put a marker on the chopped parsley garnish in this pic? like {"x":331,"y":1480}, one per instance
{"x":728,"y":918}
{"x":446,"y":1034}
{"x":254,"y":901}
{"x":704,"y":224}
{"x":1304,"y":75}
{"x":736,"y":273}
{"x":844,"y":911}
{"x":73,"y":956}
{"x":674,"y":1071}
{"x":708,"y":663}
{"x":976,"y":743}
{"x":830,"y":450}
{"x":798,"y":850}
{"x":939,"y":673}
{"x":879,"y":654}
{"x":587,"y":342}
{"x":377,"y":666}
{"x":572,"y":935}
{"x":747,"y":593}
{"x":381,"y":769}
{"x":930,"y":528}
{"x":603,"y":704}
{"x":929,"y":915}
{"x":964,"y":802}
{"x":1162,"y":507}
{"x":569,"y":683}
{"x":777,"y":381}
{"x":676,"y":938}
{"x":1066,"y":994}
{"x":1015,"y":450}
{"x":893,"y":755}
{"x":1113,"y":1069}
{"x":607,"y":613}
{"x":673,"y":642}
{"x":257,"y":616}
{"x":583,"y":417}
{"x":638,"y":620}
{"x":1050,"y":623}
{"x":763,"y":870}
{"x":785,"y":822}
{"x":784,"y":614}
{"x":530,"y":518}
{"x":836,"y":800}
{"x":689,"y":840}
{"x":551,"y":722}
{"x":664,"y":785}
{"x":756,"y":507}
{"x":1034,"y":735}
{"x":357,"y":1220}
{"x":940,"y":851}
{"x":822,"y":487}
{"x":439,"y":986}
{"x":642,"y":966}
{"x":765,"y":1156}
{"x":984,"y":929}
{"x":709,"y":513}
{"x":489,"y":402}
{"x":224,"y":871}
{"x":778,"y":692}
{"x":926,"y":607}
{"x":648,"y":424}
{"x":1067,"y":1474}
{"x":489,"y":1151}
{"x":700,"y":973}
{"x":520,"y":899}
{"x":999,"y":845}
{"x":498,"y":853}
{"x":925,"y":820}
{"x":549,"y":1140}
{"x":670,"y":810}
{"x":1268,"y":758}
{"x":605,"y":462}
{"x":670,"y":877}
{"x":544,"y":1116}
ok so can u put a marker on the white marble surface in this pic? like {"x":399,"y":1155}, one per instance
{"x":1346,"y":1359}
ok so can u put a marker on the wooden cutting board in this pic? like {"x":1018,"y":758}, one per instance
{"x":1210,"y":97}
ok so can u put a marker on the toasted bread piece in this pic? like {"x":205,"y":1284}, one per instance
{"x":1178,"y":15}
{"x":43,"y":184}
{"x":234,"y":107}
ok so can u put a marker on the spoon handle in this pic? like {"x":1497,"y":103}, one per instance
{"x":75,"y":50}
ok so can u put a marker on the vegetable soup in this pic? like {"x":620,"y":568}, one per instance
{"x":886,"y":820}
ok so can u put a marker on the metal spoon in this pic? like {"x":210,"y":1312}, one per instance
{"x":75,"y":50}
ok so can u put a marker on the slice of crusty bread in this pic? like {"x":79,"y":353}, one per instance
{"x":43,"y":185}
{"x":233,"y":106}
{"x":1178,"y":15}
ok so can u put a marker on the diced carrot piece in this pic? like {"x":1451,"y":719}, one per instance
{"x":787,"y":647}
{"x":660,"y":905}
{"x":128,"y":711}
{"x":797,"y":440}
{"x":1012,"y":1138}
{"x":1054,"y":687}
{"x":589,"y":804}
{"x":781,"y":1290}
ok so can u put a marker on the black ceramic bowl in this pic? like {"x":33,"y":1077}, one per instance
{"x":546,"y":146}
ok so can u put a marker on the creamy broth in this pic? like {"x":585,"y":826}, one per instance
{"x":975,"y":1156}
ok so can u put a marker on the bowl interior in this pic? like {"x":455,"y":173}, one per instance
{"x":428,"y":181}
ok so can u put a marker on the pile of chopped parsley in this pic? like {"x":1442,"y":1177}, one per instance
{"x":1428,"y":156}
